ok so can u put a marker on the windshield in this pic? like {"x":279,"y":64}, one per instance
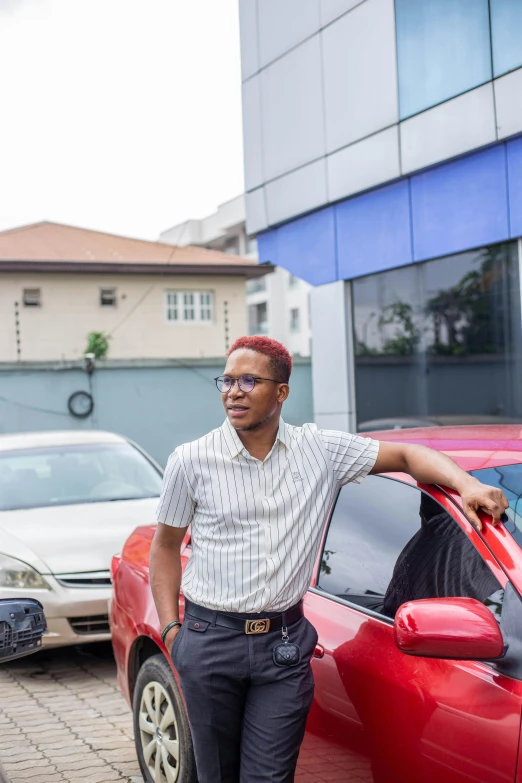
{"x":509,"y":479}
{"x":86,"y":473}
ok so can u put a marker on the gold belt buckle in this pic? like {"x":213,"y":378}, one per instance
{"x":257,"y":626}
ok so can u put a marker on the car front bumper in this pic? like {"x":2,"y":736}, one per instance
{"x":75,"y":615}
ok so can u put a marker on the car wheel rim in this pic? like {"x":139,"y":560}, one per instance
{"x":159,"y":734}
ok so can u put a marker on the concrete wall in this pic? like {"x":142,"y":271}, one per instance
{"x":158,"y":404}
{"x":70,"y":309}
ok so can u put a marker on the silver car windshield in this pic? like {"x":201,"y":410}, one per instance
{"x":86,"y":473}
{"x":509,"y":479}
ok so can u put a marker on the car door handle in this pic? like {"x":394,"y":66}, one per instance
{"x":319,"y":651}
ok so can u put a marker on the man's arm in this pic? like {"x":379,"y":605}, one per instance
{"x":431,"y":467}
{"x":165,"y":575}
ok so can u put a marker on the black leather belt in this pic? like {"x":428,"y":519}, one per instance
{"x":249,"y":624}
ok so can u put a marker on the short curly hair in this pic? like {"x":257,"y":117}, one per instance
{"x":280,"y":359}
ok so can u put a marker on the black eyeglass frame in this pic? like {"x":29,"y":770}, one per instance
{"x":238,"y":379}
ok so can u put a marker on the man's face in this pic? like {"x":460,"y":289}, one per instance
{"x":246,"y":410}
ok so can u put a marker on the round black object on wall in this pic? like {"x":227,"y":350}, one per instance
{"x":80,"y":404}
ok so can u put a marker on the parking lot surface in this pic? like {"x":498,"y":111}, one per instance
{"x":63,"y":719}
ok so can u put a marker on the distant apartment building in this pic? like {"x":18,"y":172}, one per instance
{"x":58,"y":283}
{"x":278,"y":303}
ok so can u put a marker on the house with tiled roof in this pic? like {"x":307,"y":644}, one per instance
{"x":58,"y":283}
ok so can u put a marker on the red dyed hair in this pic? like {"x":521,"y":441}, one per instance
{"x":280,"y":359}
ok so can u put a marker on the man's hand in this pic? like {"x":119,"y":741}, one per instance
{"x":169,"y":638}
{"x":481,"y":497}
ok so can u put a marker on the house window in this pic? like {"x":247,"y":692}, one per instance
{"x":171,"y":306}
{"x":205,"y":306}
{"x":232,"y":246}
{"x":189,"y":306}
{"x":295,"y":324}
{"x":251,"y":245}
{"x":32,"y":297}
{"x":258,"y":318}
{"x":108,"y":297}
{"x":189,"y":312}
{"x":293,"y":281}
{"x":255,"y":285}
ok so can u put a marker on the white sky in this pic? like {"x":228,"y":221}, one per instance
{"x":118,"y":115}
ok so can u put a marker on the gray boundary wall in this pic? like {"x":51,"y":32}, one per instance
{"x":157,"y":403}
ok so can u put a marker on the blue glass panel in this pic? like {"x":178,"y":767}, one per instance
{"x":373,"y":231}
{"x":514,"y":161}
{"x":306,"y":247}
{"x":460,"y":205}
{"x":506,"y":35}
{"x":443,"y":50}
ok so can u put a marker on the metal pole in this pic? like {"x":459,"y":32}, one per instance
{"x":17,"y":330}
{"x":227,"y":335}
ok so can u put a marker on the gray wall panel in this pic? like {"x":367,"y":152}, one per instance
{"x":283,"y":24}
{"x":292,"y":110}
{"x":360,"y":73}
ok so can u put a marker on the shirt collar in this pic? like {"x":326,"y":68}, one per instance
{"x":234,"y":443}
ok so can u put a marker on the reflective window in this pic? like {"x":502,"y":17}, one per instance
{"x":388,"y":543}
{"x":508,"y":478}
{"x":440,"y":342}
{"x":443,"y":50}
{"x":64,"y":475}
{"x":506,"y":35}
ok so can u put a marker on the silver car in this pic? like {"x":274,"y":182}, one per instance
{"x":68,"y":501}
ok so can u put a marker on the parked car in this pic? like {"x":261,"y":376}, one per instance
{"x":68,"y":501}
{"x":22,"y":624}
{"x":418,"y":666}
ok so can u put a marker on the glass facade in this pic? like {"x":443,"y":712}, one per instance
{"x":506,"y":35}
{"x":443,"y":50}
{"x":440,"y":339}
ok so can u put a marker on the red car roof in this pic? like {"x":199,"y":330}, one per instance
{"x":472,"y":447}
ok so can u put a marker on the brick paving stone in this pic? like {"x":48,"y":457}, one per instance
{"x":64,"y":720}
{"x":33,"y":774}
{"x":44,"y":777}
{"x":101,"y":776}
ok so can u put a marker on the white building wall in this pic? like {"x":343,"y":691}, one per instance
{"x":70,"y":309}
{"x":226,"y":230}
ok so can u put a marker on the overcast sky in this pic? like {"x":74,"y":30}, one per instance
{"x":118,"y":115}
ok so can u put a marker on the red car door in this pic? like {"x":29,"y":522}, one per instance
{"x":381,"y":716}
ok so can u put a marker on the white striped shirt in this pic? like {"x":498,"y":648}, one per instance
{"x":256,"y":525}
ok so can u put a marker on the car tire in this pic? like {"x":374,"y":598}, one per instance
{"x":161,"y":729}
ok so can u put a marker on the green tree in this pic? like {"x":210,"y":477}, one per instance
{"x":98,"y":344}
{"x":471,"y":310}
{"x":407,"y":335}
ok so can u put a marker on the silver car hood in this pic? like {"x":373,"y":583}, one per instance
{"x":72,"y":539}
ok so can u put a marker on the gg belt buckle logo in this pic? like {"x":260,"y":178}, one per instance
{"x":257,"y":626}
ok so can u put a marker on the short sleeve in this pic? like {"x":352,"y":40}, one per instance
{"x":176,"y":505}
{"x":352,"y":457}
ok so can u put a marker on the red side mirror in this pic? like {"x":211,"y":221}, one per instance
{"x":448,"y":628}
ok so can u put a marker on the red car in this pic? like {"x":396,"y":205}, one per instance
{"x":418,"y":667}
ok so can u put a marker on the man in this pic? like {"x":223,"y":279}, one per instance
{"x":257,"y":492}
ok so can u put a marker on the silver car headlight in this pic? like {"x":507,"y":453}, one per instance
{"x":17,"y":574}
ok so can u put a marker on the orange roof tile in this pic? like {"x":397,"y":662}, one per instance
{"x":52,"y":244}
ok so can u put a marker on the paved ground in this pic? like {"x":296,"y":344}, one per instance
{"x":64,"y":720}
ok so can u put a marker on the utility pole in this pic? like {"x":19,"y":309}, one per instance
{"x":227,"y":336}
{"x":17,"y":331}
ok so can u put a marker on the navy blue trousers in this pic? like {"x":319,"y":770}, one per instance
{"x":247,"y":715}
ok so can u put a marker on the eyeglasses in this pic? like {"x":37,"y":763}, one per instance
{"x":245,"y":382}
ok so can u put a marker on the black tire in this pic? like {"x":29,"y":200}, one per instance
{"x":156,"y":672}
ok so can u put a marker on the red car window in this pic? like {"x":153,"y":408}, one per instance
{"x":389,"y":542}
